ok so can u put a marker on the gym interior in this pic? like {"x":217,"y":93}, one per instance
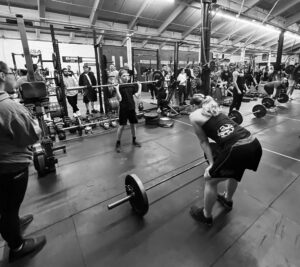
{"x":104,"y":192}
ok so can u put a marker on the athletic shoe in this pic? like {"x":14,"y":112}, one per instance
{"x":94,"y":111}
{"x":78,"y":113}
{"x":29,"y":246}
{"x":75,"y":115}
{"x":198,"y":214}
{"x":136,"y":144}
{"x":26,"y":220}
{"x":224,"y":202}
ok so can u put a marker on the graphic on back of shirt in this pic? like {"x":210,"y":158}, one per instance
{"x":225,"y":130}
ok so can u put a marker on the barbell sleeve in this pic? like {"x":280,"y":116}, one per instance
{"x":120,"y":201}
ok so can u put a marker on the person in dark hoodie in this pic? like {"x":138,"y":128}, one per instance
{"x":18,"y":130}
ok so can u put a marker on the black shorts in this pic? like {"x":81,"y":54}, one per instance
{"x":125,"y":115}
{"x":90,"y":95}
{"x":233,"y":161}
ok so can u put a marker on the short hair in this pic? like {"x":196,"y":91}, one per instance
{"x":3,"y":68}
{"x":122,"y":71}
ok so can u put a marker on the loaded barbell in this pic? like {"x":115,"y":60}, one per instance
{"x":258,"y":111}
{"x":270,"y":103}
{"x":136,"y":192}
{"x":108,"y":85}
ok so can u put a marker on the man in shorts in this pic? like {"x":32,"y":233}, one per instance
{"x":127,"y":112}
{"x":234,"y":151}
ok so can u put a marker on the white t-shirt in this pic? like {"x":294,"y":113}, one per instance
{"x":182,"y":79}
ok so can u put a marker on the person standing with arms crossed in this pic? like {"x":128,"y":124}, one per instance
{"x":127,"y":107}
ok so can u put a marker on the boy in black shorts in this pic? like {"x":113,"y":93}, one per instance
{"x":127,"y":107}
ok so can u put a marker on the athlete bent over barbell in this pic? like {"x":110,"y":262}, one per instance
{"x":127,"y":107}
{"x":273,"y":89}
{"x":234,"y":151}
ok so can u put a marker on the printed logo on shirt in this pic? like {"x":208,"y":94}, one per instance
{"x":225,"y":130}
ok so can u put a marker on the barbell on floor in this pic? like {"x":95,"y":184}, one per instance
{"x":270,"y":103}
{"x":258,"y":111}
{"x":136,"y":192}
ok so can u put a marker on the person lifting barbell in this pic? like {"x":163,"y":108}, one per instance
{"x":276,"y":90}
{"x":237,"y":150}
{"x":125,"y":94}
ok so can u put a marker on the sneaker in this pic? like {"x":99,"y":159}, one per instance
{"x":94,"y":111}
{"x":29,"y":246}
{"x":78,"y":113}
{"x":75,"y":115}
{"x":136,"y":144}
{"x":224,"y":202}
{"x":198,"y":214}
{"x":25,"y":220}
{"x":118,"y":148}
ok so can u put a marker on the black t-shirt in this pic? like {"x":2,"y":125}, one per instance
{"x":224,"y":131}
{"x":127,"y":92}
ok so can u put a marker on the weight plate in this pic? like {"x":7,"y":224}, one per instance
{"x":165,"y":122}
{"x":236,"y":117}
{"x":139,"y":201}
{"x":259,"y":111}
{"x":283,"y":98}
{"x":59,"y":94}
{"x":268,"y":102}
{"x":39,"y":161}
{"x":150,"y":115}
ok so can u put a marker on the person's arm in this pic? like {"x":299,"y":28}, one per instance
{"x":138,"y":94}
{"x":81,"y":83}
{"x":203,"y":141}
{"x":234,"y":77}
{"x":119,"y":97}
{"x":23,"y":128}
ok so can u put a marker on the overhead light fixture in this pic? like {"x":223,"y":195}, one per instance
{"x":254,"y":23}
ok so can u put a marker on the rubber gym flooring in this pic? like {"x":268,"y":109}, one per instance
{"x":263,"y":229}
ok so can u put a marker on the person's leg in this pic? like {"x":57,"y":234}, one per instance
{"x":210,"y":194}
{"x":133,"y":121}
{"x":180,"y":94}
{"x":73,"y":102}
{"x":11,"y":197}
{"x":234,"y":101}
{"x":239,"y":101}
{"x":231,"y":186}
{"x":93,"y":105}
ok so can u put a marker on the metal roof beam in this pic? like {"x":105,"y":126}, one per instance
{"x":93,"y":16}
{"x":282,"y":7}
{"x":178,"y":10}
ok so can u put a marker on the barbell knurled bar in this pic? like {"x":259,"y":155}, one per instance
{"x":136,"y":193}
{"x":258,"y":111}
{"x":108,"y":85}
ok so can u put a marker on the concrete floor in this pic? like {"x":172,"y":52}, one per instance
{"x":262,"y":230}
